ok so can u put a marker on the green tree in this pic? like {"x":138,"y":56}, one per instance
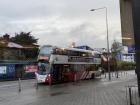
{"x":116,"y":48}
{"x":6,"y":37}
{"x":24,"y":38}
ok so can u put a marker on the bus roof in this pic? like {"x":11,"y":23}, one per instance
{"x":72,"y":49}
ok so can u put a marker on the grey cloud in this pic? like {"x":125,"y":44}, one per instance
{"x":35,"y":8}
{"x":59,"y":22}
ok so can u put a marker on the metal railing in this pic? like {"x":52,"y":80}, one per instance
{"x":19,"y":85}
{"x":132,"y":95}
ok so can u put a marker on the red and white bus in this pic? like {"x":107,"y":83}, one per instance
{"x":66,"y":64}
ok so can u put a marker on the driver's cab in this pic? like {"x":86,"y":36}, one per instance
{"x":44,"y":59}
{"x":43,"y":68}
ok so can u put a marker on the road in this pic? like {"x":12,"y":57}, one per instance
{"x":99,"y":91}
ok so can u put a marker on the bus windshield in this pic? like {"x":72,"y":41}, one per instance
{"x":43,"y":68}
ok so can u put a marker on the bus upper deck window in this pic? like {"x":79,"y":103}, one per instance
{"x":45,"y":50}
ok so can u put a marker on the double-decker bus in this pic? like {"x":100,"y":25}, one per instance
{"x":66,"y":64}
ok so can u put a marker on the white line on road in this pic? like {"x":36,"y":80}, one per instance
{"x":8,"y":86}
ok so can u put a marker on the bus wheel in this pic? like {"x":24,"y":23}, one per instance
{"x":92,"y":75}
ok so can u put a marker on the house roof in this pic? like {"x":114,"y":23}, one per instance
{"x":7,"y":44}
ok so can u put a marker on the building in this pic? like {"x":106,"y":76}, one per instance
{"x":136,"y":24}
{"x":127,"y":29}
{"x":17,"y":60}
{"x":130,"y":22}
{"x":127,"y":23}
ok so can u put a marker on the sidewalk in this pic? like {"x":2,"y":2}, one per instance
{"x":99,"y":91}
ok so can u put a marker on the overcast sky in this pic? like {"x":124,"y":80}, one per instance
{"x":61,"y":22}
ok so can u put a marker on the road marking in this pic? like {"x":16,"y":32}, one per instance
{"x":8,"y":86}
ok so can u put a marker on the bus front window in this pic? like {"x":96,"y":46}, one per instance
{"x":43,"y":68}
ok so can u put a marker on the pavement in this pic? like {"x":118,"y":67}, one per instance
{"x":99,"y":91}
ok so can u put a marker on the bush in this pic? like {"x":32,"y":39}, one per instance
{"x":123,"y":65}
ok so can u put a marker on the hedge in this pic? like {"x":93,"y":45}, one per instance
{"x":124,"y":65}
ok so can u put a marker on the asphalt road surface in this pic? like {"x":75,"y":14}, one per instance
{"x":99,"y":91}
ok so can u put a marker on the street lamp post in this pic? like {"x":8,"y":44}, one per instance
{"x":108,"y":64}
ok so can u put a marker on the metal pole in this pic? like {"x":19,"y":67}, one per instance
{"x":108,"y":64}
{"x":19,"y":85}
{"x":117,"y":73}
{"x":130,"y":96}
{"x":36,"y":84}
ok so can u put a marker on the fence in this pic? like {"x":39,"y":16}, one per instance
{"x":18,"y":86}
{"x":132,"y":96}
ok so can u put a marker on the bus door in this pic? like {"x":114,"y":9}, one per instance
{"x":66,"y":73}
{"x":56,"y":73}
